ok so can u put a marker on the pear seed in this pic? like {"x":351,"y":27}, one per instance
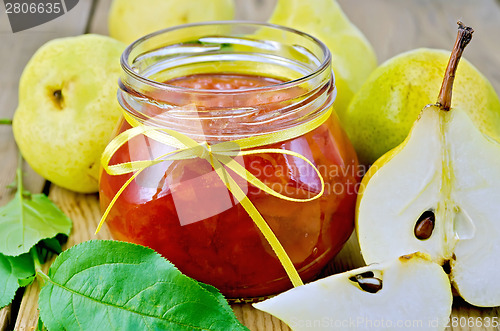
{"x":367,"y":274}
{"x":425,"y":225}
{"x":367,"y":282}
{"x":447,"y":267}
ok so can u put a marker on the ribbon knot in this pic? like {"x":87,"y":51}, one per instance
{"x":206,"y":151}
{"x":222,"y":157}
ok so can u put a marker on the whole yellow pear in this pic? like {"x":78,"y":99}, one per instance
{"x":382,"y":112}
{"x":68,"y":108}
{"x":353,"y":58}
{"x":129,"y":20}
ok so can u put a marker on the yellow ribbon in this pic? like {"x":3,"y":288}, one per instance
{"x":219,"y":155}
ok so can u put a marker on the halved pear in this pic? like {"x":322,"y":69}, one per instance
{"x":409,"y":292}
{"x":438,"y":193}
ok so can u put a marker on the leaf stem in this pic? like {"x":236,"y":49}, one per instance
{"x":463,"y":38}
{"x":36,"y":259}
{"x":42,"y":277}
{"x":5,"y":121}
{"x":20,"y":189}
{"x":19,"y":174}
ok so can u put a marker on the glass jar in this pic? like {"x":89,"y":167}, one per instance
{"x":232,"y":82}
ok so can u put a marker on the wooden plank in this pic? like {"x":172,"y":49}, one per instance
{"x":17,"y":49}
{"x":392,"y":26}
{"x":467,"y":317}
{"x":257,"y":320}
{"x":5,"y":316}
{"x":84,"y":210}
{"x":99,"y":22}
{"x":395,"y":26}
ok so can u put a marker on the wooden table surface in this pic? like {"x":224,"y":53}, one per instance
{"x":392,"y":26}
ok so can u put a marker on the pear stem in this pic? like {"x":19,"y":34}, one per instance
{"x":5,"y":121}
{"x":463,"y":38}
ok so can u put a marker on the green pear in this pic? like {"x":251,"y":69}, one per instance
{"x":384,"y":109}
{"x":68,"y":108}
{"x":439,"y":193}
{"x":129,"y":20}
{"x":353,"y":58}
{"x":406,"y":293}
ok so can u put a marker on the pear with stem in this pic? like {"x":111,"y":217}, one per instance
{"x":439,"y":193}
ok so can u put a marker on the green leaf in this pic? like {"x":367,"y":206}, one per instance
{"x":26,"y":281}
{"x":14,"y":272}
{"x":47,"y":247}
{"x":53,"y":245}
{"x":215,"y":292}
{"x":111,"y":285}
{"x":40,"y":326}
{"x":24,"y":222}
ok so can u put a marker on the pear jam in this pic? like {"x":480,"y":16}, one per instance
{"x":183,"y":209}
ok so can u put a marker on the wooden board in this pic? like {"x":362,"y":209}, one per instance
{"x":15,"y":51}
{"x":84,"y":210}
{"x":395,"y":26}
{"x":392,"y":26}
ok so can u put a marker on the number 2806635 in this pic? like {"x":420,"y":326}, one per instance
{"x":477,"y":322}
{"x":33,"y":8}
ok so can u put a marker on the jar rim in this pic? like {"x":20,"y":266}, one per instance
{"x":324,"y":64}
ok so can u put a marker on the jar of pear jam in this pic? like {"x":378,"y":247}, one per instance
{"x":219,"y":82}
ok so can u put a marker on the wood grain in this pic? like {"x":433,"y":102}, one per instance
{"x":466,"y":317}
{"x":20,"y":48}
{"x":393,"y":26}
{"x":99,"y":21}
{"x":84,"y":210}
{"x":16,"y":50}
{"x":5,"y":316}
{"x":396,"y":26}
{"x":257,"y":320}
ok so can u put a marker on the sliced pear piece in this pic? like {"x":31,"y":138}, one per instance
{"x":353,"y":58}
{"x":410,"y":293}
{"x":438,"y":193}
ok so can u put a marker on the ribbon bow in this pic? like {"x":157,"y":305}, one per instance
{"x":220,"y":156}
